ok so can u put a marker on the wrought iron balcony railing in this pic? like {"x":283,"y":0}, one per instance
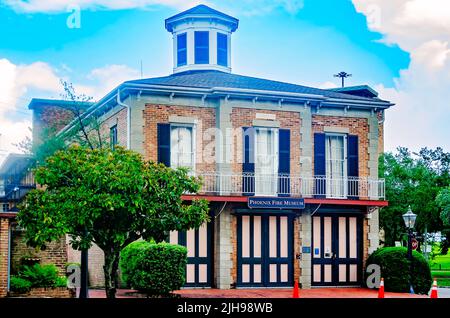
{"x":291,"y":185}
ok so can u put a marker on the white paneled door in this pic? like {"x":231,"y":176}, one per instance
{"x":265,"y":248}
{"x":199,"y":257}
{"x":336,"y":250}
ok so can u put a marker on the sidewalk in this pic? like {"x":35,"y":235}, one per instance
{"x":265,"y":293}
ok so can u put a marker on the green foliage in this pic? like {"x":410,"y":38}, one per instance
{"x":19,"y":285}
{"x":413,"y":179}
{"x":156,"y":269}
{"x":110,"y":198}
{"x":40,"y":275}
{"x":443,"y":200}
{"x":61,"y":281}
{"x":395,"y":269}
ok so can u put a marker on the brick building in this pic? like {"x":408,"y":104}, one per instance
{"x":16,"y":180}
{"x":291,"y":172}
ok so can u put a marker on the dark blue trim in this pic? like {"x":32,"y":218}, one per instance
{"x":248,"y":167}
{"x":284,"y":162}
{"x":352,"y":160}
{"x":319,"y":165}
{"x":163,"y":135}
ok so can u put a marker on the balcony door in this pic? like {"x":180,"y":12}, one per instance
{"x":336,"y":165}
{"x":182,"y":143}
{"x":266,"y":161}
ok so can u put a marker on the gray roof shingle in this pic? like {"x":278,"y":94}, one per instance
{"x":211,"y":78}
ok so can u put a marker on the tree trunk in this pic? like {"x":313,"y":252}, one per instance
{"x":109,"y":270}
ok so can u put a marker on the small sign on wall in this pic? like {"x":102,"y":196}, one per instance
{"x":306,"y":249}
{"x":276,"y":203}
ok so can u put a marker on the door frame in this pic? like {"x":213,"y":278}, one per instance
{"x":334,"y":262}
{"x":265,"y":259}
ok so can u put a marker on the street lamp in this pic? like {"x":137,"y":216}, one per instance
{"x":410,"y":219}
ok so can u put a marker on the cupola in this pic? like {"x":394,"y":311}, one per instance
{"x":201,"y":39}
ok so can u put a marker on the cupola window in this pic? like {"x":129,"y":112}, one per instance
{"x":201,"y":47}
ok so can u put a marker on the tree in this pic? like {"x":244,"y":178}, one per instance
{"x":110,"y":198}
{"x":443,"y":200}
{"x":413,"y":179}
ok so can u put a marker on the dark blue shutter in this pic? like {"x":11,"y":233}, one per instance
{"x":248,"y":167}
{"x":352,"y":165}
{"x":284,"y":162}
{"x":319,"y":165}
{"x":164,"y":144}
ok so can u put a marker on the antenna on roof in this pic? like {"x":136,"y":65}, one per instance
{"x":142,"y":72}
{"x":343,"y":76}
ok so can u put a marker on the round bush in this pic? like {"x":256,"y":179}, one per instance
{"x":395,"y":269}
{"x":156,"y":269}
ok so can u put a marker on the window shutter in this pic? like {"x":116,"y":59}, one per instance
{"x":164,"y":144}
{"x":352,"y":165}
{"x":248,"y":167}
{"x":319,"y":165}
{"x":284,"y":162}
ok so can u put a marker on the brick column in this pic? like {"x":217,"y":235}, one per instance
{"x":305,"y":238}
{"x":4,"y":241}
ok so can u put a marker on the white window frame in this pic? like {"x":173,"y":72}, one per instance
{"x":330,"y":194}
{"x":194,"y":144}
{"x":276,"y":156}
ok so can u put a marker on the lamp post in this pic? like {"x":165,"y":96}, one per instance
{"x":410,"y":219}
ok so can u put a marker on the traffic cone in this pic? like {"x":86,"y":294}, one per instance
{"x":434,"y":291}
{"x":295,"y":293}
{"x":381,"y":289}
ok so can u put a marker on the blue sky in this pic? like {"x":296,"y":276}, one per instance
{"x":303,"y":42}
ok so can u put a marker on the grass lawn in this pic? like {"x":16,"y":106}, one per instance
{"x":440,"y":262}
{"x":444,"y":274}
{"x":443,"y":282}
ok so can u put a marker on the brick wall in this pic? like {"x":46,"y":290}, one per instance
{"x":154,"y":114}
{"x":234,"y":249}
{"x":243,"y":117}
{"x":52,"y":118}
{"x":297,"y":243}
{"x":120,"y":119}
{"x":366,"y":241}
{"x":4,"y":226}
{"x":54,"y":253}
{"x":380,"y":133}
{"x":356,"y":126}
{"x":59,"y":292}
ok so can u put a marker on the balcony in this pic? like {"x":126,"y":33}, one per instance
{"x":223,"y":184}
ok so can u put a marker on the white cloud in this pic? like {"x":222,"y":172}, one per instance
{"x":247,"y":7}
{"x":15,"y":83}
{"x":104,"y":79}
{"x":19,"y":83}
{"x":421,"y":93}
{"x":50,"y":6}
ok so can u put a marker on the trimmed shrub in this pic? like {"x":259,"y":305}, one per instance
{"x":155,"y":269}
{"x":395,"y":269}
{"x":40,"y":275}
{"x":19,"y":285}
